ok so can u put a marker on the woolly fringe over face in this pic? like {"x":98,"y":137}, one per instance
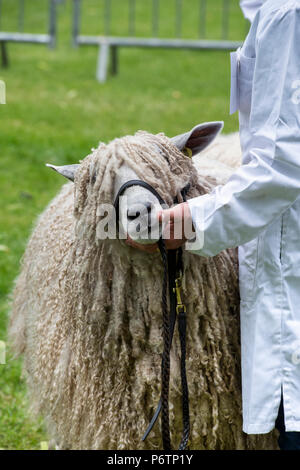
{"x":87,"y":316}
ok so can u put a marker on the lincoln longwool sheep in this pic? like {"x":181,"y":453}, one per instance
{"x":87,"y":317}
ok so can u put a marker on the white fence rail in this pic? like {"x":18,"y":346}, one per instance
{"x":109,"y":43}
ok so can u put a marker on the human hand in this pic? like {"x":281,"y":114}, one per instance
{"x":178,"y":228}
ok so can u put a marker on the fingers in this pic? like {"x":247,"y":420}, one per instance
{"x":178,"y":212}
{"x":176,"y":218}
{"x":166,"y":214}
{"x":153,"y":248}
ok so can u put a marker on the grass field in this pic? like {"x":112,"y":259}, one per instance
{"x":56,"y":112}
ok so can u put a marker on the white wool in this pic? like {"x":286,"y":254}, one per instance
{"x":220,"y":159}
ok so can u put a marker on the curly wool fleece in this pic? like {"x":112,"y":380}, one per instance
{"x":86,"y":315}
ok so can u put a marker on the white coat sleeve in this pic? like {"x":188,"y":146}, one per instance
{"x":259,"y":191}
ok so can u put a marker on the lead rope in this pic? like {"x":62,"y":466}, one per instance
{"x":168,"y":331}
{"x":173,"y":271}
{"x":181,"y":312}
{"x":165,"y":369}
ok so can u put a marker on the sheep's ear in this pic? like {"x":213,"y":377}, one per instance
{"x":68,"y":171}
{"x":198,"y":138}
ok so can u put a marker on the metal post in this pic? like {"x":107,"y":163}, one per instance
{"x":52,"y":22}
{"x":0,"y":14}
{"x":4,"y":54}
{"x":114,"y":60}
{"x":155,"y":17}
{"x":102,"y":65}
{"x":76,"y":21}
{"x":3,"y":48}
{"x":225,"y":19}
{"x":178,"y":25}
{"x":21,"y":16}
{"x":107,"y":17}
{"x":202,"y":18}
{"x":131,"y":19}
{"x":2,"y":352}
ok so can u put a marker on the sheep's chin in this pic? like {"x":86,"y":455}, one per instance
{"x":143,"y":238}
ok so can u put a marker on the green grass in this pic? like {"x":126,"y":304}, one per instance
{"x":56,"y":112}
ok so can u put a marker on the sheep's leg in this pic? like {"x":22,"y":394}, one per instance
{"x":102,"y":65}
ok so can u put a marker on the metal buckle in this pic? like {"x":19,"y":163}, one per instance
{"x":180,"y":307}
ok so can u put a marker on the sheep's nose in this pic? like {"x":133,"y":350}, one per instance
{"x":133,"y":214}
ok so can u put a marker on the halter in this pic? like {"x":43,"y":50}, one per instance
{"x":150,"y":188}
{"x":172,"y":281}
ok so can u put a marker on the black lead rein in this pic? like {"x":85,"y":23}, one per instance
{"x":172,"y":278}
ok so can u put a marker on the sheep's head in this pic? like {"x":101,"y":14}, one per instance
{"x":161,"y":162}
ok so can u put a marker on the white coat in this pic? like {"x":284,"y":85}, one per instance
{"x":259,"y":211}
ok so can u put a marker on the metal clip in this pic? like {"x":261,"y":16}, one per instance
{"x":180,"y":307}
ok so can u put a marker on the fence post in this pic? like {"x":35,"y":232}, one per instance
{"x":178,"y":25}
{"x":225,"y":20}
{"x":2,"y":352}
{"x":202,"y":18}
{"x":102,"y":66}
{"x":114,"y":60}
{"x":4,"y":54}
{"x":3,"y":48}
{"x":76,"y":21}
{"x":21,"y":15}
{"x":52,"y":23}
{"x":131,"y":17}
{"x":155,"y":17}
{"x":107,"y":17}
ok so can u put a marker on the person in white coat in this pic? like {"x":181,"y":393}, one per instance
{"x":258,"y":210}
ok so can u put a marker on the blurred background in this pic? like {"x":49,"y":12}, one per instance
{"x":56,"y":111}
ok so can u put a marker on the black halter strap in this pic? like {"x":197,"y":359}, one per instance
{"x":150,"y":188}
{"x":173,"y":272}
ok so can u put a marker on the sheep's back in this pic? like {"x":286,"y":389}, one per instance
{"x":220,"y":159}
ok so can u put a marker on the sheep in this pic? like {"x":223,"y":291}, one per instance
{"x":220,"y":159}
{"x":86,"y":312}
